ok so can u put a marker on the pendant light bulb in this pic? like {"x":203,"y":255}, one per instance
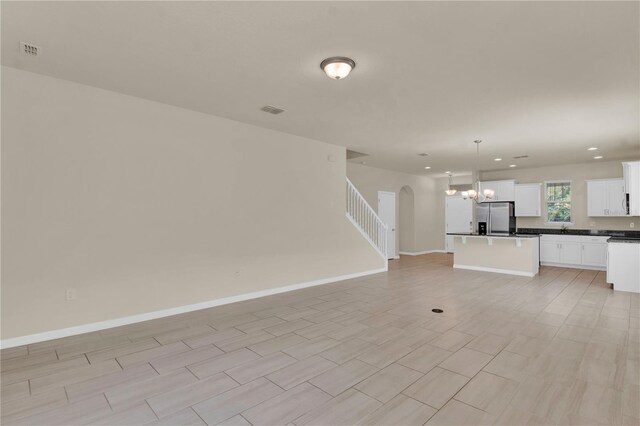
{"x":450,"y":190}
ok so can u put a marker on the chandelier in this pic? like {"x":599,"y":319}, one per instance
{"x":474,"y":192}
{"x":450,"y":190}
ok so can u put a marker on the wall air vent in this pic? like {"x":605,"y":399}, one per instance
{"x":272,"y":110}
{"x":29,"y":49}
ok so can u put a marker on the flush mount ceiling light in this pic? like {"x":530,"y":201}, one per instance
{"x":497,"y":159}
{"x":597,"y":157}
{"x":593,"y":148}
{"x":337,"y":67}
{"x":512,"y":165}
{"x":427,"y":167}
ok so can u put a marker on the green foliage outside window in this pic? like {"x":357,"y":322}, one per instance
{"x":559,"y":202}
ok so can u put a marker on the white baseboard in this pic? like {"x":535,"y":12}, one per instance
{"x":564,"y":265}
{"x":117,"y":322}
{"x":496,"y":270}
{"x":418,"y":253}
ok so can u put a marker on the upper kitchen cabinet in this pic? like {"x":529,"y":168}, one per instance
{"x":606,"y":197}
{"x":527,"y":198}
{"x":504,"y":190}
{"x":631,"y":173}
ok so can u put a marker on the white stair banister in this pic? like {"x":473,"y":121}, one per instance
{"x":366,"y":220}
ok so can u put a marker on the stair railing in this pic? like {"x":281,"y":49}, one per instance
{"x":366,"y":220}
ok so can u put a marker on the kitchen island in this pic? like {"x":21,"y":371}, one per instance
{"x":515,"y":254}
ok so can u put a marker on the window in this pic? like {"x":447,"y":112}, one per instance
{"x":558,"y":202}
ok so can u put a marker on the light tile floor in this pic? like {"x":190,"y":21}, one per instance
{"x":560,"y":348}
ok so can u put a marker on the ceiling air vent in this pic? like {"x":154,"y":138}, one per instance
{"x":272,"y":110}
{"x":423,"y":154}
{"x":520,"y":156}
{"x":29,"y":49}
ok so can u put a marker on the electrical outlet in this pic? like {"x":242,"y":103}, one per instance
{"x":71,"y":294}
{"x":632,"y":225}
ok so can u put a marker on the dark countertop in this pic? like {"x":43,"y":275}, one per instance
{"x":468,"y":234}
{"x":624,"y":240}
{"x":588,"y":232}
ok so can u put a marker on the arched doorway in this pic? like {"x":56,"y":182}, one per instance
{"x":406,"y":214}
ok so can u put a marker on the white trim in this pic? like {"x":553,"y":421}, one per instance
{"x":380,"y":247}
{"x":572,"y":266}
{"x":418,"y":253}
{"x":366,"y":237}
{"x":117,"y":322}
{"x":496,"y":270}
{"x":392,"y":226}
{"x":546,"y":202}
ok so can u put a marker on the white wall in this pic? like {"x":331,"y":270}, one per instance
{"x":429,"y":235}
{"x":406,"y":220}
{"x":142,"y":206}
{"x":577,"y":174}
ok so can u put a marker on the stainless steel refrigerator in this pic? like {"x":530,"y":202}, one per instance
{"x":498,"y":217}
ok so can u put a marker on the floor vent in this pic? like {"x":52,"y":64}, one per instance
{"x":29,"y":49}
{"x":272,"y":110}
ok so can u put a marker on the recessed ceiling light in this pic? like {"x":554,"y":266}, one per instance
{"x":512,"y":165}
{"x":427,"y":168}
{"x":447,"y":172}
{"x":593,"y":148}
{"x":497,"y":159}
{"x":337,"y":67}
{"x":597,"y":157}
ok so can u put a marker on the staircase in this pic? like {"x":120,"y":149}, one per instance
{"x":360,"y":213}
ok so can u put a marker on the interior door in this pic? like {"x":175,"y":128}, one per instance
{"x":458,"y":217}
{"x":387,"y":213}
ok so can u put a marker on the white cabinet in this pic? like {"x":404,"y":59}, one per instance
{"x":606,"y":197}
{"x":570,"y":253}
{"x":594,"y":254}
{"x":574,"y":251}
{"x":616,"y":203}
{"x":504,"y":190}
{"x":631,"y":172}
{"x":623,"y":267}
{"x":527,"y":198}
{"x":549,"y":251}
